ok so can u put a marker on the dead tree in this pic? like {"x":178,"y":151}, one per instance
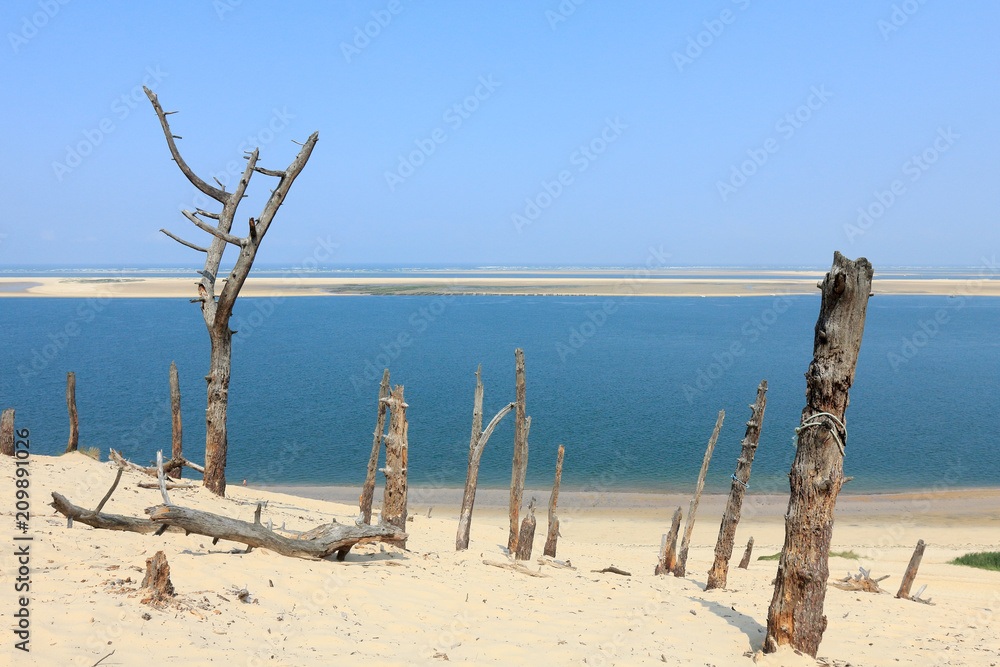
{"x":520,"y":465}
{"x":911,"y":571}
{"x":680,"y":569}
{"x":7,"y":432}
{"x":526,"y":536}
{"x":741,"y":482}
{"x":368,"y":490}
{"x":745,"y":561}
{"x":668,"y":546}
{"x":168,"y":466}
{"x":157,"y":579}
{"x":218,"y":308}
{"x":176,"y":429}
{"x":795,"y":615}
{"x":74,"y":424}
{"x":472,"y":479}
{"x":553,"y":534}
{"x":394,"y":501}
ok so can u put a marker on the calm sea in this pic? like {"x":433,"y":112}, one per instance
{"x":631,"y":386}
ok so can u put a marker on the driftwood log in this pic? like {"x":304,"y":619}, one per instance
{"x":911,"y":571}
{"x":860,"y":582}
{"x":668,"y":546}
{"x":553,"y":533}
{"x":104,"y":520}
{"x":520,"y":465}
{"x":176,"y":427}
{"x":795,"y":615}
{"x":680,"y":569}
{"x":394,"y":500}
{"x":745,"y":561}
{"x":741,"y":482}
{"x":74,"y":423}
{"x":7,"y":432}
{"x":122,"y":462}
{"x":472,"y":479}
{"x":368,"y":490}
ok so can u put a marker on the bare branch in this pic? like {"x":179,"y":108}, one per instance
{"x":270,"y":172}
{"x":220,"y":183}
{"x":201,"y":224}
{"x":214,"y":193}
{"x":214,"y":216}
{"x":183,"y":242}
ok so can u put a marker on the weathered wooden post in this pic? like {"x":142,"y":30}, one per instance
{"x":741,"y":482}
{"x":553,"y":533}
{"x":472,"y":479}
{"x":394,"y":503}
{"x":520,"y":465}
{"x":911,"y":571}
{"x":368,"y":490}
{"x":745,"y":561}
{"x":795,"y":616}
{"x":680,"y":569}
{"x":668,"y":546}
{"x":74,"y":425}
{"x":7,"y":432}
{"x":526,"y":538}
{"x":177,"y":430}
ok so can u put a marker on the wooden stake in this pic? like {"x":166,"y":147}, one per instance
{"x":795,"y":616}
{"x":911,"y":571}
{"x":74,"y":426}
{"x":520,"y":465}
{"x":741,"y":482}
{"x":368,"y":490}
{"x":553,"y":534}
{"x":668,"y":546}
{"x":176,"y":428}
{"x":394,"y":503}
{"x":472,"y":479}
{"x":745,"y":561}
{"x":681,"y":568}
{"x":526,"y":537}
{"x":7,"y":432}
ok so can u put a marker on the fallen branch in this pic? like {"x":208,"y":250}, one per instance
{"x":170,"y":485}
{"x":547,"y":560}
{"x":103,"y":520}
{"x":516,"y":567}
{"x":151,"y":471}
{"x":613,"y":570}
{"x":860,"y":582}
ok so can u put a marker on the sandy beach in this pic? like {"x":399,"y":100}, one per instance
{"x":756,"y":283}
{"x":428,"y":603}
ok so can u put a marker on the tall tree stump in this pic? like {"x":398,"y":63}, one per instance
{"x":157,"y":579}
{"x":745,"y":561}
{"x":668,"y":546}
{"x":368,"y":490}
{"x":74,"y":424}
{"x":680,"y":569}
{"x":394,"y":503}
{"x":553,"y":533}
{"x":911,"y":571}
{"x":526,"y":536}
{"x":795,"y":615}
{"x":7,"y":432}
{"x":176,"y":428}
{"x":520,"y":465}
{"x":741,"y":482}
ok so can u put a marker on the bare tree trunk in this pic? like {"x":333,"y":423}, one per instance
{"x":553,"y":535}
{"x":7,"y":432}
{"x":745,"y":561}
{"x":668,"y":546}
{"x":526,"y":537}
{"x":795,"y":616}
{"x":74,"y":424}
{"x":472,"y":479}
{"x":911,"y":571}
{"x":368,"y":490}
{"x":177,"y":431}
{"x":216,"y":443}
{"x":741,"y":482}
{"x":681,"y":568}
{"x":520,"y":466}
{"x":394,"y":502}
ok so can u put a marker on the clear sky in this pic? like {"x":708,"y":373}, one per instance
{"x":726,"y":132}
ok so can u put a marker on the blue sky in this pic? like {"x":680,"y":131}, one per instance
{"x":724,"y":132}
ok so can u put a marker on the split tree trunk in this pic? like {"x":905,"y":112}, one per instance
{"x":911,"y":571}
{"x":526,"y":536}
{"x":727,"y":530}
{"x":74,"y":424}
{"x":177,"y":431}
{"x":472,"y":479}
{"x":553,"y":533}
{"x":368,"y":490}
{"x":680,"y":569}
{"x":795,"y":616}
{"x":394,"y":502}
{"x":668,"y":546}
{"x":520,"y":465}
{"x":7,"y":432}
{"x":745,"y":561}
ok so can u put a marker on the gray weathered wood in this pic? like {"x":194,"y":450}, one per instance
{"x":680,"y":569}
{"x":74,"y":424}
{"x":911,"y":571}
{"x":176,"y":428}
{"x":7,"y":432}
{"x":520,"y":465}
{"x":104,"y":520}
{"x":795,"y":616}
{"x":553,"y":534}
{"x":745,"y":561}
{"x":368,"y":490}
{"x":121,"y":461}
{"x":472,"y":479}
{"x":526,"y":536}
{"x":741,"y":481}
{"x":394,"y":500}
{"x":668,"y":546}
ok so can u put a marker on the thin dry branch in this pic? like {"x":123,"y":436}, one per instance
{"x":185,"y":243}
{"x":204,"y":226}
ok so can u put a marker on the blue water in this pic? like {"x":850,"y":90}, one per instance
{"x":633,"y":399}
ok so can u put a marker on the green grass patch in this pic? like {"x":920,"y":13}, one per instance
{"x":838,"y":554}
{"x":984,"y":560}
{"x":776,"y":556}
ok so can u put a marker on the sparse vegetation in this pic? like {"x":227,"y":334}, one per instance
{"x":985,"y":560}
{"x":92,"y":452}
